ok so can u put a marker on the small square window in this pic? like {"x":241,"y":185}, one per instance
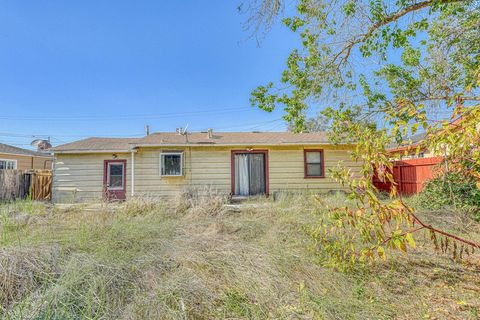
{"x":313,"y":163}
{"x":171,"y":164}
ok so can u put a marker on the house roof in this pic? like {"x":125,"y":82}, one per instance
{"x":97,"y":145}
{"x":232,"y":138}
{"x":193,"y":139}
{"x":413,"y":141}
{"x":408,"y":143}
{"x":8,"y":149}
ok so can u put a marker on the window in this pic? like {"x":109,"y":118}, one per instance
{"x":115,"y":176}
{"x":8,"y":164}
{"x":171,"y":164}
{"x":314,"y":164}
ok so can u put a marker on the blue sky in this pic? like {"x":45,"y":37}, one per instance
{"x":70,"y":69}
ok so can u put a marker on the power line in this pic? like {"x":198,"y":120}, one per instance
{"x":249,"y":125}
{"x":275,"y":127}
{"x":124,"y":116}
{"x":252,"y":125}
{"x":271,"y":125}
{"x":16,"y":135}
{"x":15,"y":143}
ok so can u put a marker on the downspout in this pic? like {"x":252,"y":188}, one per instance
{"x":53,"y":199}
{"x":133,"y":174}
{"x":190,"y":165}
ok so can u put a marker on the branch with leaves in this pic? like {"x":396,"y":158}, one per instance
{"x":368,"y":230}
{"x":388,"y":70}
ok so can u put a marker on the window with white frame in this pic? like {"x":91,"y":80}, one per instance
{"x":116,"y":176}
{"x":8,"y":164}
{"x":171,"y":164}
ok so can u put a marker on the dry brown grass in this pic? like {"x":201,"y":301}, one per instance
{"x":196,"y":259}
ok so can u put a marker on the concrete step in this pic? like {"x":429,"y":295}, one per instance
{"x":238,"y":199}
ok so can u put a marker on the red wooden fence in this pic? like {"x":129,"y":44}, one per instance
{"x":410,"y":175}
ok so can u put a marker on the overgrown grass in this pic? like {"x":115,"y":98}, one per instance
{"x":198,"y":259}
{"x":452,"y":191}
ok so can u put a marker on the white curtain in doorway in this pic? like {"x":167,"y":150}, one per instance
{"x":241,"y":175}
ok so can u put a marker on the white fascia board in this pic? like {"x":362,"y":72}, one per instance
{"x":92,"y":151}
{"x":25,"y":155}
{"x":233,"y":144}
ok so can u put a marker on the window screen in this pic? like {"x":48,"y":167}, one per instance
{"x":171,"y":164}
{"x":115,"y":177}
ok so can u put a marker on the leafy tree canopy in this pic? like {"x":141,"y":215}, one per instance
{"x":406,"y":65}
{"x":313,"y":124}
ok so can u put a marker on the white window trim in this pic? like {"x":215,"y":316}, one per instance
{"x":180,"y":153}
{"x":11,"y":160}
{"x":123,"y":177}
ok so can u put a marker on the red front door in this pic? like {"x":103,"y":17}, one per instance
{"x":115,"y":179}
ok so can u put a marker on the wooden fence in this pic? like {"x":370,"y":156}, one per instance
{"x":410,"y":175}
{"x":33,"y":184}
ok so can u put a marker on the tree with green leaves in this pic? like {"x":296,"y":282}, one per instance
{"x":407,"y":65}
{"x":318,"y":123}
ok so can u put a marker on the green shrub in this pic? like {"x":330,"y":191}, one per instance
{"x":451,"y":190}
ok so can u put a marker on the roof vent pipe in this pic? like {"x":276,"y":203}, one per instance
{"x":210,"y":133}
{"x":147,"y":130}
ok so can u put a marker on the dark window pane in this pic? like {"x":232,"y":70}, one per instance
{"x":314,"y":170}
{"x":7,"y":164}
{"x":115,"y":178}
{"x":116,"y":169}
{"x":116,"y":181}
{"x":172,"y":165}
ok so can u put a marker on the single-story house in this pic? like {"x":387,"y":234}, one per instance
{"x":408,"y":149}
{"x":414,"y":146}
{"x":22,"y":159}
{"x":164,"y":164}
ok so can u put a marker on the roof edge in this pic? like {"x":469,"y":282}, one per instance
{"x":236,"y":144}
{"x":27,"y":155}
{"x":94,"y":151}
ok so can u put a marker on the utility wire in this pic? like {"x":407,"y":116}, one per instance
{"x":124,"y":116}
{"x":269,"y":125}
{"x":244,"y":125}
{"x":13,"y":135}
{"x":56,"y":136}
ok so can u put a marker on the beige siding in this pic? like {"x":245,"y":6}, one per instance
{"x":81,"y":176}
{"x":202,"y":167}
{"x":42,"y":163}
{"x":287,"y":170}
{"x":147,"y":175}
{"x":28,"y":162}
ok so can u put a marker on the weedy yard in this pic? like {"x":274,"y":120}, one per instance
{"x":197,"y":259}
